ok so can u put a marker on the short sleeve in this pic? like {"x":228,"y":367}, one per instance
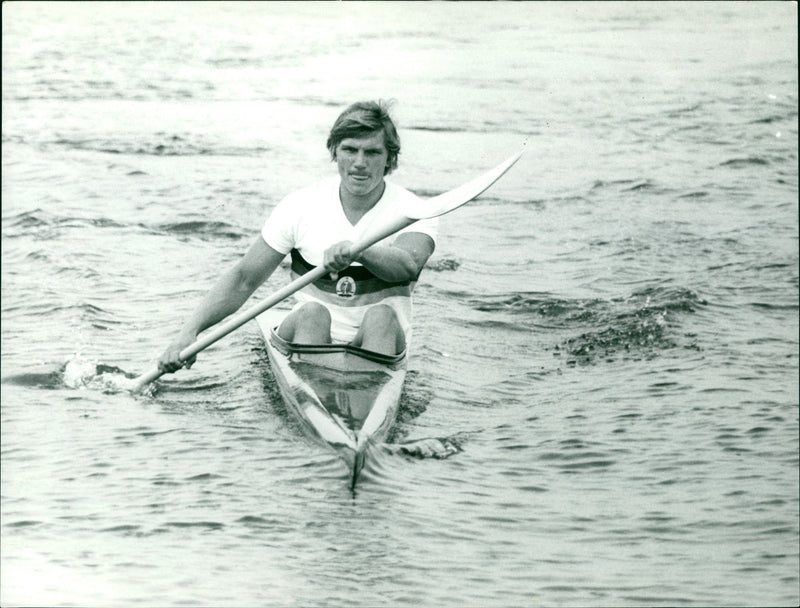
{"x":279,"y":229}
{"x":427,"y":226}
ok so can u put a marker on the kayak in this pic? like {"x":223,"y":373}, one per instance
{"x":345,"y":397}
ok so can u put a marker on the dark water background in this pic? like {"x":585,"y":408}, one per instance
{"x":610,"y":335}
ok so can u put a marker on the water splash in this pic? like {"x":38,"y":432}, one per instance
{"x":444,"y":264}
{"x":431,"y":447}
{"x":642,"y":324}
{"x":80,"y":373}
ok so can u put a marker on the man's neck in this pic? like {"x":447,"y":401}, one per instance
{"x":355,"y":207}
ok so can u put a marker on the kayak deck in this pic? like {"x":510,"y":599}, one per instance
{"x":346,"y":397}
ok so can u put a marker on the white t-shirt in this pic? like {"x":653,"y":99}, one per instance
{"x":312,"y":219}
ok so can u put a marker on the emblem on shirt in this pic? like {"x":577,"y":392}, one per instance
{"x":346,"y":287}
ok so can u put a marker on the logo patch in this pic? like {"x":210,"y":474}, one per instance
{"x":346,"y":287}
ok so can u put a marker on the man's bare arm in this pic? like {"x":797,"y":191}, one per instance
{"x":223,"y":299}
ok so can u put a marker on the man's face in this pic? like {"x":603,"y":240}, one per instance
{"x":362,"y":162}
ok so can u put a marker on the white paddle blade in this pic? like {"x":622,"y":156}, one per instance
{"x":445,"y":203}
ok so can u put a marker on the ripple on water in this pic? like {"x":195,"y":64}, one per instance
{"x":643,"y":324}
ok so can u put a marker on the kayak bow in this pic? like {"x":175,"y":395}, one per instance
{"x":345,"y":397}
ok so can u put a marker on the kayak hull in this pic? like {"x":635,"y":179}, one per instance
{"x":344,"y":397}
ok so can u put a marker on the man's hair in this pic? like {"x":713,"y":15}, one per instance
{"x":362,"y":119}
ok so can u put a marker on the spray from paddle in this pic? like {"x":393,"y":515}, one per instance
{"x":80,"y":373}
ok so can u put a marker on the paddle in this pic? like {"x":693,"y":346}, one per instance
{"x":371,"y":234}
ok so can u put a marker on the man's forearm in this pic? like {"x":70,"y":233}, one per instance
{"x":391,"y":264}
{"x":222,"y":300}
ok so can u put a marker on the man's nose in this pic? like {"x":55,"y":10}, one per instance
{"x":360,"y":158}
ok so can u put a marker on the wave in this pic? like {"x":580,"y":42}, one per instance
{"x":435,"y":129}
{"x":43,"y":225}
{"x":645,"y":185}
{"x":639,"y":333}
{"x":645,"y":322}
{"x":599,"y":184}
{"x":774,"y":306}
{"x":203,"y":525}
{"x":204,"y":230}
{"x":44,"y":379}
{"x":683,"y":111}
{"x":13,"y":139}
{"x":516,"y":124}
{"x":161,"y":144}
{"x":744,"y":162}
{"x":95,"y":315}
{"x":630,"y":186}
{"x":773,"y":118}
{"x":695,"y":194}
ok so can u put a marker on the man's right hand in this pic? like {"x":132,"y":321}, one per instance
{"x":170,"y":361}
{"x":337,"y":257}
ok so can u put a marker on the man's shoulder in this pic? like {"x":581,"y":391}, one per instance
{"x":400,"y":195}
{"x":305,"y":202}
{"x":312,"y":192}
{"x":397,"y":191}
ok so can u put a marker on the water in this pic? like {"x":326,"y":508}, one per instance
{"x":607,"y":340}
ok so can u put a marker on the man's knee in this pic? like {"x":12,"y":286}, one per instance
{"x":311,"y":323}
{"x":312,"y":312}
{"x":381,"y":331}
{"x":381,"y":317}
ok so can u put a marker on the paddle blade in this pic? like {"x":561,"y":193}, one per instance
{"x":447,"y":202}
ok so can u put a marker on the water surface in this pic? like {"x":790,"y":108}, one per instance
{"x":608,"y":337}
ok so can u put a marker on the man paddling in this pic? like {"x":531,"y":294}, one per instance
{"x":367,"y":299}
